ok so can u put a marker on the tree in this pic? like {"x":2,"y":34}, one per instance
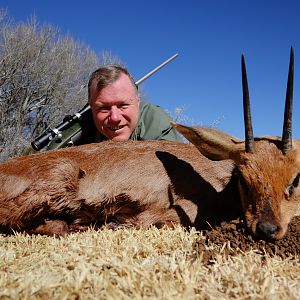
{"x":43,"y":77}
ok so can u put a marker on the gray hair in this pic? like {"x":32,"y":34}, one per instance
{"x":105,"y":76}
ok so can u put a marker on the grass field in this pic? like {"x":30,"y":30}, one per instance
{"x":139,"y":264}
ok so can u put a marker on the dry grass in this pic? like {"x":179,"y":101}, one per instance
{"x":138,"y":264}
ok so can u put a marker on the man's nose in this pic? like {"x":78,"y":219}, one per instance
{"x":115,"y":115}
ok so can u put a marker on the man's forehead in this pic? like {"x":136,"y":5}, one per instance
{"x":111,"y":102}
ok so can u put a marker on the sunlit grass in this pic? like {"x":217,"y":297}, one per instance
{"x":138,"y":264}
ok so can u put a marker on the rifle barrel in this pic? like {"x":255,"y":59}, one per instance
{"x":156,"y":69}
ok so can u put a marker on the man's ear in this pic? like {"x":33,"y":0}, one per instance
{"x":212,"y":143}
{"x":139,"y":100}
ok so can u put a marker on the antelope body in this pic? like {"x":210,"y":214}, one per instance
{"x":121,"y":183}
{"x":157,"y":182}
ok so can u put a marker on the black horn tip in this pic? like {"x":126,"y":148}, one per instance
{"x":292,"y":57}
{"x":249,"y":140}
{"x":243,"y":59}
{"x":287,"y":124}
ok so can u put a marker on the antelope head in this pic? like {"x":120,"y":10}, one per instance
{"x":268,"y":168}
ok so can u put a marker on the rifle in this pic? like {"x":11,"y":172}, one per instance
{"x":79,"y":123}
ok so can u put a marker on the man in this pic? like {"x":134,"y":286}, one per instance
{"x":118,"y":112}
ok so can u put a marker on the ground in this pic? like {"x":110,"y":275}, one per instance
{"x":236,"y":236}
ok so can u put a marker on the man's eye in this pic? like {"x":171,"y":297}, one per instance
{"x":103,"y":108}
{"x":123,"y":106}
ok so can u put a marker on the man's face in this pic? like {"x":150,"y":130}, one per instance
{"x":116,"y":109}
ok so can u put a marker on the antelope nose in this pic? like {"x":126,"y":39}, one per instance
{"x":267,"y":229}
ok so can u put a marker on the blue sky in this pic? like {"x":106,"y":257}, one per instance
{"x":209,"y":37}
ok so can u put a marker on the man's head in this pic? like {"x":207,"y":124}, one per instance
{"x":114,"y":101}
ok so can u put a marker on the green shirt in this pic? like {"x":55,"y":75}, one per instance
{"x":154,"y":124}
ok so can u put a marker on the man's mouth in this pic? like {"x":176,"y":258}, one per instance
{"x":115,"y":128}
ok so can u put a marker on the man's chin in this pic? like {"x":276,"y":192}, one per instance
{"x":119,"y":138}
{"x":122,"y":136}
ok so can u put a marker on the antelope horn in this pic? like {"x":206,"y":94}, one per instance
{"x":287,"y":124}
{"x":249,"y":139}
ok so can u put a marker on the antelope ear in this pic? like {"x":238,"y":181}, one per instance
{"x":212,"y":143}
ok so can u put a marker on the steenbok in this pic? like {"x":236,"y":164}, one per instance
{"x":158,"y":182}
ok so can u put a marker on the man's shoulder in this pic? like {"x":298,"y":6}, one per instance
{"x":154,"y":123}
{"x":150,"y":112}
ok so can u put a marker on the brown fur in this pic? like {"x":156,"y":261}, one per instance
{"x":122,"y":183}
{"x":147,"y":183}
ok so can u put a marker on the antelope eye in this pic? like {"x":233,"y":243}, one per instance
{"x":291,"y":190}
{"x":296,"y":181}
{"x":294,"y":184}
{"x":242,"y":181}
